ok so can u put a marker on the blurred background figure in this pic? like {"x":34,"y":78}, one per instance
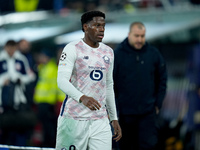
{"x":46,"y":96}
{"x":173,"y":27}
{"x":24,"y":47}
{"x":139,"y":89}
{"x":16,"y":116}
{"x":192,"y":118}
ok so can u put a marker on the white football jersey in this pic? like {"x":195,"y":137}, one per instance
{"x":84,"y":70}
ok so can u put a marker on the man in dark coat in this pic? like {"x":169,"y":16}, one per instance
{"x":140,"y":86}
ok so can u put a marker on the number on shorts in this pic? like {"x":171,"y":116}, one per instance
{"x":72,"y":147}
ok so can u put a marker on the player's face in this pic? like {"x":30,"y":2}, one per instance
{"x":95,"y":29}
{"x":136,"y":37}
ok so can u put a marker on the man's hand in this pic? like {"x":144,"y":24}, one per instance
{"x":90,"y":102}
{"x":157,"y":110}
{"x":6,"y":82}
{"x":117,"y":130}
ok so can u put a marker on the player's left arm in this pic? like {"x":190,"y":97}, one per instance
{"x":110,"y":104}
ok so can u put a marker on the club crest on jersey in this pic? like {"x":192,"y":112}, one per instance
{"x":106,"y":59}
{"x":63,"y":56}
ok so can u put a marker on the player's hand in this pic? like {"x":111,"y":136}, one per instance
{"x":117,"y":130}
{"x":90,"y":102}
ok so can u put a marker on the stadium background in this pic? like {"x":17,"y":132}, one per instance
{"x":172,"y":25}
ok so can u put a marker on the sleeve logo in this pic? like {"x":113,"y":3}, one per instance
{"x":63,"y":56}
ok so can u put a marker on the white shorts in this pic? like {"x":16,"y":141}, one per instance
{"x":83,"y":134}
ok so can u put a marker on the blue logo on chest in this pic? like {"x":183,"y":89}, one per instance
{"x":96,"y":75}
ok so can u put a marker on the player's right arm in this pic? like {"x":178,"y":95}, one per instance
{"x":65,"y":68}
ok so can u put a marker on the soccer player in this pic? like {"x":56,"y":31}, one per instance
{"x":85,"y":75}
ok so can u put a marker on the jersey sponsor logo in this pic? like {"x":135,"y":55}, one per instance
{"x":106,"y":59}
{"x":63,"y":56}
{"x":96,"y":68}
{"x":96,"y":75}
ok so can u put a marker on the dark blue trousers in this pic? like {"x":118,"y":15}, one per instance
{"x":139,"y":132}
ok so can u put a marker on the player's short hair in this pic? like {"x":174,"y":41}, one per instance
{"x":88,"y":16}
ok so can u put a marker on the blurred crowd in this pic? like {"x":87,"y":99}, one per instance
{"x":30,"y":99}
{"x":65,"y":6}
{"x":29,"y":96}
{"x":28,"y":81}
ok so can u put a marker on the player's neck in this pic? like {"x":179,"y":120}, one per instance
{"x":91,"y":43}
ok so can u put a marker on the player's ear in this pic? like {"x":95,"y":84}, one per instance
{"x":85,"y":27}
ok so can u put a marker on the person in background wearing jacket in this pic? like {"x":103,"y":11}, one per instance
{"x":15,"y":74}
{"x":25,"y":47}
{"x":140,"y":86}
